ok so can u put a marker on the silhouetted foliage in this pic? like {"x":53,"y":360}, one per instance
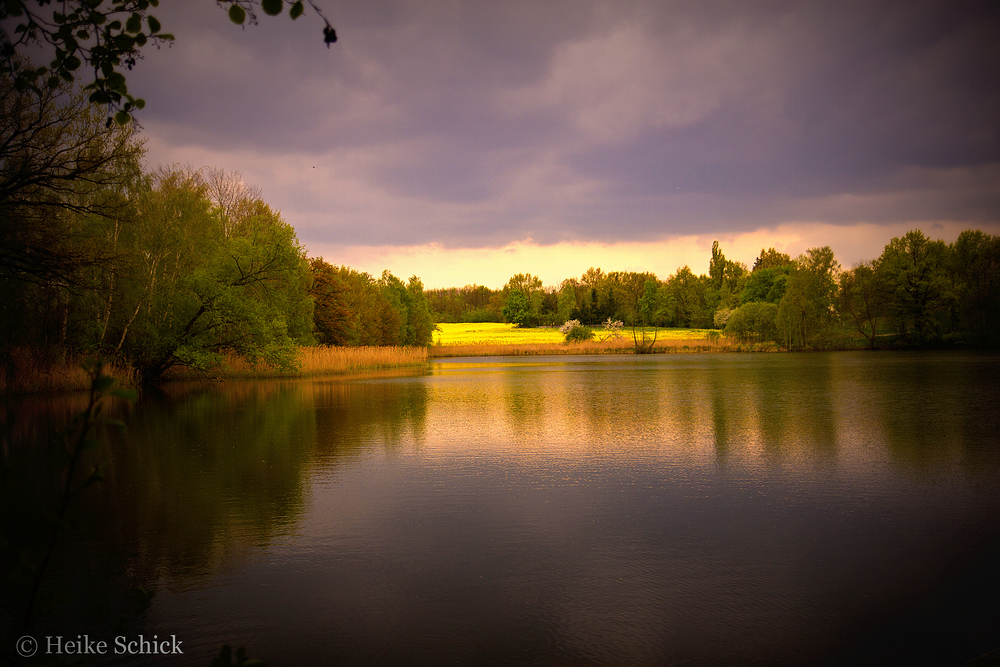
{"x":103,"y":39}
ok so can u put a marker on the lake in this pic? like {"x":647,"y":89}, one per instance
{"x":704,"y":509}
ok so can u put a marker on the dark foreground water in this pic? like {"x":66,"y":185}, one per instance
{"x":672,"y":510}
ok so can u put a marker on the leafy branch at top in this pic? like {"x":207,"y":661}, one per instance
{"x":105,"y":37}
{"x":244,"y":11}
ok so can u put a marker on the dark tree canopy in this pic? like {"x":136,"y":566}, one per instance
{"x":58,"y":162}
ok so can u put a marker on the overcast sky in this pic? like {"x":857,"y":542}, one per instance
{"x":467,"y":141}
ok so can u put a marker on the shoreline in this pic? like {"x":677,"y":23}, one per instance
{"x":347,"y":362}
{"x":33,"y":377}
{"x":616,"y":346}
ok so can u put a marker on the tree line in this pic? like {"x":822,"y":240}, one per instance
{"x":918,"y":292}
{"x":177,"y":266}
{"x":174,"y":266}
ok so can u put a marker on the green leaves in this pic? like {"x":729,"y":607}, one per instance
{"x":236,"y":14}
{"x":296,"y":10}
{"x":134,"y":23}
{"x":116,"y":82}
{"x":272,"y":7}
{"x":103,"y":383}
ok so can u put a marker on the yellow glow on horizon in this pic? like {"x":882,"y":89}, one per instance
{"x":439,"y":267}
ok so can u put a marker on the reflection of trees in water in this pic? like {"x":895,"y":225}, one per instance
{"x":795,"y":406}
{"x":938,"y":407}
{"x":777,"y":406}
{"x":625,"y":406}
{"x":781,"y":404}
{"x":923,"y":408}
{"x":203,"y":473}
{"x":525,"y":404}
{"x":203,"y":470}
{"x":351,"y":416}
{"x":86,"y":586}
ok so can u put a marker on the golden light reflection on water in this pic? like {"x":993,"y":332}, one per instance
{"x":822,"y":410}
{"x":651,"y":505}
{"x":688,"y":411}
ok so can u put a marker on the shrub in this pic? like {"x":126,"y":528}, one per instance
{"x":568,"y":326}
{"x":753,"y":322}
{"x":576,"y":332}
{"x":834,"y":340}
{"x":612,"y":329}
{"x":721,"y":317}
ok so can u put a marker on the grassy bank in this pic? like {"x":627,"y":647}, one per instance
{"x":33,"y":376}
{"x":490,"y":339}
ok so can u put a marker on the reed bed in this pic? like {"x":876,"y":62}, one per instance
{"x":321,"y":360}
{"x":316,"y":361}
{"x":29,"y":375}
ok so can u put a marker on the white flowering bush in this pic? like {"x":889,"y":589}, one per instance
{"x":575,"y":332}
{"x":722,"y":315}
{"x":612,"y":329}
{"x":568,"y":326}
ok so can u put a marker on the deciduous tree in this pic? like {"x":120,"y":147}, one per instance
{"x":523,"y":299}
{"x":56,"y":162}
{"x":863,"y":298}
{"x":919,"y":288}
{"x":976,"y":259}
{"x":196,"y":294}
{"x":806,"y":309}
{"x":753,"y":322}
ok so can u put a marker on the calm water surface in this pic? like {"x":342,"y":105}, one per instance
{"x":685,"y":509}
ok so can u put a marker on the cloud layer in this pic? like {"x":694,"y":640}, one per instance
{"x":471,"y":125}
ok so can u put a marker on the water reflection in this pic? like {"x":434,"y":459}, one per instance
{"x":786,"y":409}
{"x":728,"y":509}
{"x":213,"y":469}
{"x":350,"y":416}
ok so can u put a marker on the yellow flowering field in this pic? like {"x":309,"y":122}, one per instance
{"x":492,"y":339}
{"x":493,"y":333}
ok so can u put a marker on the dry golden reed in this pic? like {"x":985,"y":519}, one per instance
{"x":320,"y":360}
{"x":323,"y":360}
{"x":30,"y":375}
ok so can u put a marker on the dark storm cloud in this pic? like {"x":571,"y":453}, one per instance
{"x":481,"y":123}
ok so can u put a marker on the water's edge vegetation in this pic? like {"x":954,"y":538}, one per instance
{"x":312,"y":361}
{"x":451,"y":340}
